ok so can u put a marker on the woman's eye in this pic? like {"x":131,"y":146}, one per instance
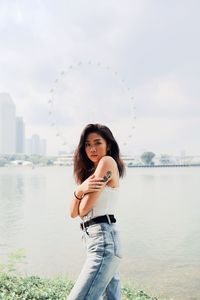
{"x":88,"y":145}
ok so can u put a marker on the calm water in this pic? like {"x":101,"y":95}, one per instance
{"x":158,"y":216}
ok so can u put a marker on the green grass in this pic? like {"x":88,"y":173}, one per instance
{"x":13,"y":286}
{"x":36,"y":288}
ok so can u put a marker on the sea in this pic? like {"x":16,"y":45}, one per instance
{"x":158,"y":218}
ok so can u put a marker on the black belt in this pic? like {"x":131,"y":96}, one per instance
{"x":100,"y":219}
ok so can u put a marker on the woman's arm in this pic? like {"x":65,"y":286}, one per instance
{"x":74,"y":205}
{"x":105,"y":165}
{"x":91,"y":184}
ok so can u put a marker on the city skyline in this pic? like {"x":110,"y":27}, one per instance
{"x":12,"y":131}
{"x":148,"y":44}
{"x":7,"y":125}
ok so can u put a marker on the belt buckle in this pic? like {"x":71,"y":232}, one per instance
{"x":82,"y":225}
{"x":109,"y":221}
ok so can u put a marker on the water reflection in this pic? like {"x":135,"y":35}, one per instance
{"x":11,"y":205}
{"x":20,"y":191}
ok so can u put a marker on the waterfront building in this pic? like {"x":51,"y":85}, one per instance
{"x":7,"y":124}
{"x":22,"y":163}
{"x":43,"y":147}
{"x":20,"y":135}
{"x":64,"y":159}
{"x":35,"y":145}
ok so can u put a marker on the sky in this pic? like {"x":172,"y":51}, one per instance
{"x":132,"y":65}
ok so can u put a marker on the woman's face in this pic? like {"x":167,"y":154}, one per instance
{"x":95,"y":147}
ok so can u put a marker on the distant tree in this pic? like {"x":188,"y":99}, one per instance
{"x":12,"y":157}
{"x":39,"y":159}
{"x":147,"y":157}
{"x":35,"y":158}
{"x":49,"y":162}
{"x":3,"y":161}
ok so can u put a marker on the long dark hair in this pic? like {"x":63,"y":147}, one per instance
{"x":83,"y":166}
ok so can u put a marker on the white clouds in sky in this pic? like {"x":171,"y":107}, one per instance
{"x":153,"y":45}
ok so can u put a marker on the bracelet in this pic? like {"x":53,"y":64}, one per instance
{"x":77,"y":197}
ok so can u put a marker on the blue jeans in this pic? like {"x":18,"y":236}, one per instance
{"x":99,"y":277}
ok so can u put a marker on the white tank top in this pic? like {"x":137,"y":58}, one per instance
{"x":106,"y":203}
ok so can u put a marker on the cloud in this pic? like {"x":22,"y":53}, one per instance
{"x":162,"y":135}
{"x":166,"y":96}
{"x":150,"y":45}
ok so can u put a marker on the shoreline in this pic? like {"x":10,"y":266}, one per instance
{"x":164,"y":166}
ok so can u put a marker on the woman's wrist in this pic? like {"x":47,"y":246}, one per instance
{"x":78,"y":194}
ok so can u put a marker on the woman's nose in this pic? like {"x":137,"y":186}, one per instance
{"x":93,"y":149}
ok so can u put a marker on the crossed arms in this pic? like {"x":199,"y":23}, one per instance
{"x":92,"y":187}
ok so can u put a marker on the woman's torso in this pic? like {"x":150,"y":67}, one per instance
{"x":106,"y":203}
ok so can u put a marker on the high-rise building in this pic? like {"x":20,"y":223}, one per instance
{"x":43,"y":147}
{"x":35,"y":145}
{"x":20,"y":135}
{"x":28,"y":146}
{"x":7,"y":124}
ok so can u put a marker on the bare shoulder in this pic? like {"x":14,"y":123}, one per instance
{"x":107,"y":161}
{"x":106,"y":164}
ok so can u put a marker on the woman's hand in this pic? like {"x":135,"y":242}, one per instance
{"x":91,"y":184}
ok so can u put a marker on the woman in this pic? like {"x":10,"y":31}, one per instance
{"x":97,"y":169}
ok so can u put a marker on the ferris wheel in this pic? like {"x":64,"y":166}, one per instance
{"x":91,"y":92}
